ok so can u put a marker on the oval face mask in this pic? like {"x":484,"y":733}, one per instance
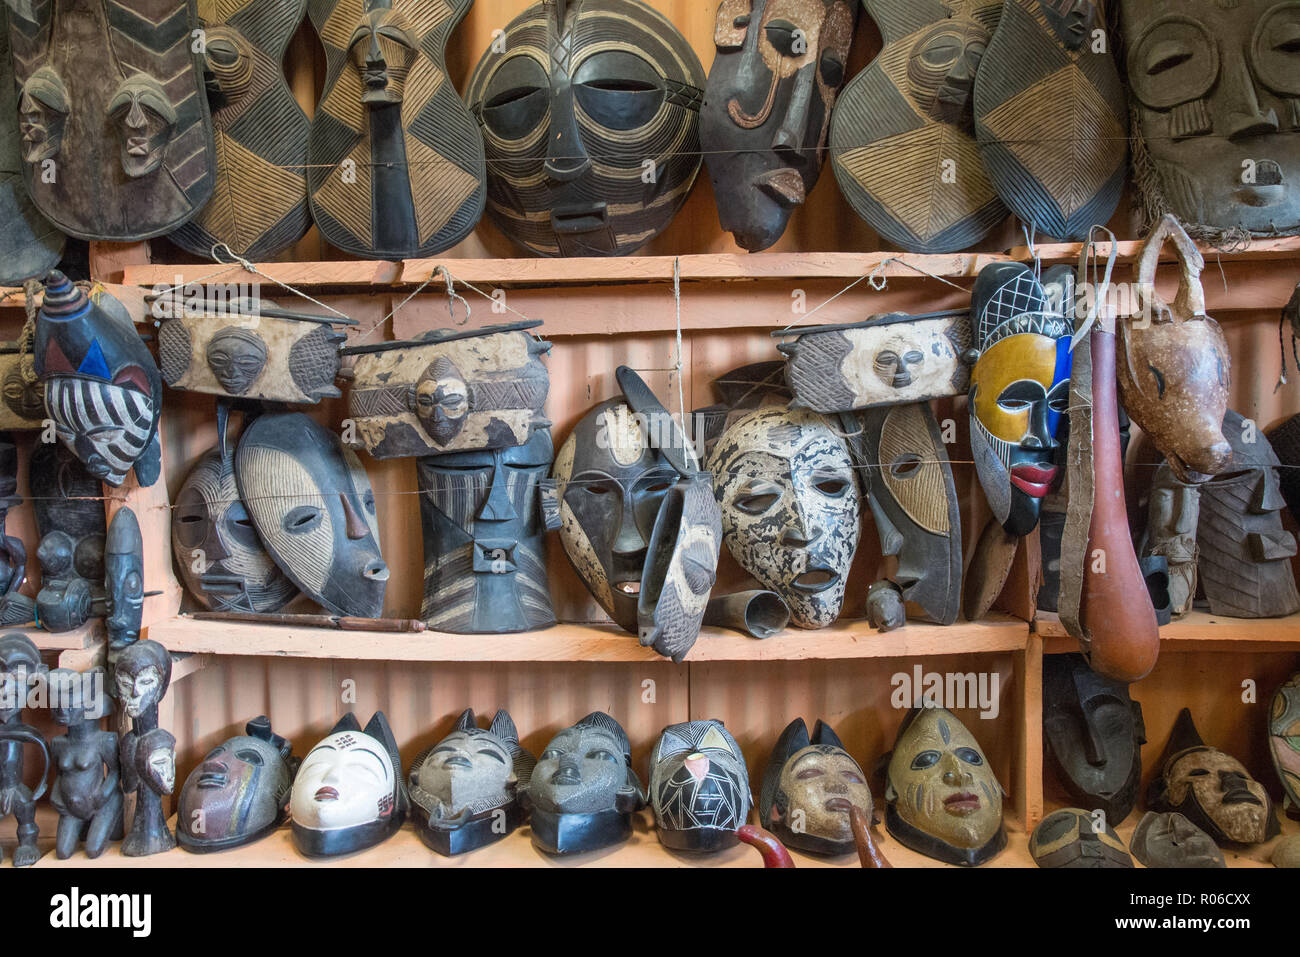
{"x":590,"y":117}
{"x":1074,"y":838}
{"x":1170,"y":840}
{"x":699,"y":786}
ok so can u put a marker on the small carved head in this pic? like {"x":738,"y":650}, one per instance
{"x":441,"y":400}
{"x":236,"y":357}
{"x":23,"y":398}
{"x":229,"y":62}
{"x":942,"y":68}
{"x":382,"y":49}
{"x":42,"y":115}
{"x":145,"y":119}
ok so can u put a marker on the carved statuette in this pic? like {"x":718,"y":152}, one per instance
{"x":20,"y":671}
{"x":147,"y":752}
{"x":86,"y":791}
{"x":1173,"y":513}
{"x":699,"y":786}
{"x":123,"y":579}
{"x":15,"y":607}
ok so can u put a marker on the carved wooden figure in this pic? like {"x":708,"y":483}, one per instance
{"x":116,"y":133}
{"x":1173,"y":513}
{"x":86,"y":790}
{"x":123,"y":579}
{"x":69,"y":509}
{"x":23,"y":395}
{"x":141,"y":675}
{"x":395,"y":165}
{"x":15,"y":607}
{"x":20,"y":667}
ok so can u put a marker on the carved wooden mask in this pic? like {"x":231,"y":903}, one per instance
{"x":590,"y":113}
{"x":1284,"y":736}
{"x":1173,"y":513}
{"x":396,"y":166}
{"x":22,"y":397}
{"x":116,"y":133}
{"x":1170,"y":840}
{"x":902,"y":135}
{"x":1071,"y":838}
{"x":767,"y":108}
{"x":699,"y":786}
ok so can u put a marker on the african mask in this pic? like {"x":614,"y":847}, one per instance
{"x":1211,"y":789}
{"x":583,"y":792}
{"x":485,"y":539}
{"x":250,"y":350}
{"x":790,"y":507}
{"x":69,"y":509}
{"x":1074,"y":838}
{"x":313,"y":508}
{"x":140,"y":679}
{"x":1171,"y":840}
{"x":219,"y":555}
{"x":1284,"y":737}
{"x":449,"y":391}
{"x":886,"y":360}
{"x":239,"y":793}
{"x":590,"y":118}
{"x":907,"y":119}
{"x":1173,"y":367}
{"x":348,"y":794}
{"x":699,"y":786}
{"x":1051,"y":117}
{"x":1173,"y":513}
{"x":767,"y":108}
{"x":130,"y":133}
{"x":1094,"y":735}
{"x":1020,"y":390}
{"x":903,"y":466}
{"x":102,"y":388}
{"x":23,"y":405}
{"x":809,"y":789}
{"x":1245,"y":553}
{"x":944,"y":801}
{"x":261,"y":132}
{"x":465,"y":789}
{"x":1215,"y":88}
{"x":395,"y":163}
{"x":123,"y":579}
{"x":20,"y":666}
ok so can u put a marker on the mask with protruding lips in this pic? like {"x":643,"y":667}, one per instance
{"x":810,"y":788}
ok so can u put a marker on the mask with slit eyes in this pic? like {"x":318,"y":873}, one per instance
{"x":944,"y":801}
{"x":699,"y":786}
{"x":590,"y":117}
{"x":145,"y":119}
{"x":463,"y":785}
{"x":1019,"y":390}
{"x":485,"y":539}
{"x":239,"y":793}
{"x":123,"y":579}
{"x":311,"y":503}
{"x":1215,"y":88}
{"x":1170,"y":840}
{"x":1072,"y":837}
{"x":790,"y":507}
{"x":43,"y":110}
{"x":810,"y":787}
{"x":220,"y":557}
{"x":767,"y":108}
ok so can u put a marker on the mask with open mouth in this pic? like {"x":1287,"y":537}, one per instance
{"x":767,"y":108}
{"x":590,"y":116}
{"x":1019,"y":391}
{"x":699,"y":786}
{"x":944,"y":800}
{"x":239,"y":793}
{"x":348,"y":794}
{"x":1072,"y":837}
{"x":465,"y":789}
{"x":809,"y":789}
{"x":1211,"y":789}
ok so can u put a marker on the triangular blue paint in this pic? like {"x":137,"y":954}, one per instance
{"x":94,"y":364}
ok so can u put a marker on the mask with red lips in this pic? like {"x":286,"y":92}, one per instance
{"x":809,"y":789}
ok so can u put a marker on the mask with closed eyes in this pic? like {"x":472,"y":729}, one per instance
{"x":767,"y":108}
{"x":220,"y":557}
{"x":1284,"y":736}
{"x":1215,"y":88}
{"x":809,"y":789}
{"x":102,"y":388}
{"x":1072,"y":837}
{"x":239,"y":793}
{"x":699,"y":786}
{"x":311,"y":503}
{"x":583,"y":792}
{"x":465,"y":789}
{"x":485,"y":539}
{"x":1020,"y":390}
{"x":145,"y":120}
{"x":1173,"y":513}
{"x":944,"y":801}
{"x":1170,"y":840}
{"x":348,"y":794}
{"x":590,"y":117}
{"x":123,"y":579}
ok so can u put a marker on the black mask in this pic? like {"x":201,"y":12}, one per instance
{"x":699,"y":786}
{"x":1072,"y":838}
{"x":123,"y":579}
{"x":70,"y":519}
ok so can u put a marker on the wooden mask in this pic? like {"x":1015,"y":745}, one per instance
{"x":1284,"y":736}
{"x":116,"y":134}
{"x":943,"y":800}
{"x":1244,"y":552}
{"x":465,"y":789}
{"x":449,"y":391}
{"x":1051,"y":116}
{"x":485,"y":539}
{"x":259,"y":205}
{"x":1215,"y":88}
{"x":699,"y":787}
{"x":1173,"y":514}
{"x":102,"y":388}
{"x":69,"y":509}
{"x":29,"y":245}
{"x":23,"y":405}
{"x":251,"y":352}
{"x":1174,"y":371}
{"x":902,"y":136}
{"x":1020,"y":389}
{"x":1170,"y":840}
{"x":767,"y":108}
{"x":886,"y":360}
{"x":123,"y":579}
{"x":396,"y":168}
{"x":312,"y":505}
{"x":1211,"y":789}
{"x":590,"y":113}
{"x":1071,"y":838}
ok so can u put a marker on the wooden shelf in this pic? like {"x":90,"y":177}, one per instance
{"x":1195,"y":631}
{"x":569,"y":642}
{"x":88,"y":634}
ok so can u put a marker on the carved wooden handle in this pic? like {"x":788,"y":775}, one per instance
{"x":1190,"y":300}
{"x":868,"y":853}
{"x":773,"y":851}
